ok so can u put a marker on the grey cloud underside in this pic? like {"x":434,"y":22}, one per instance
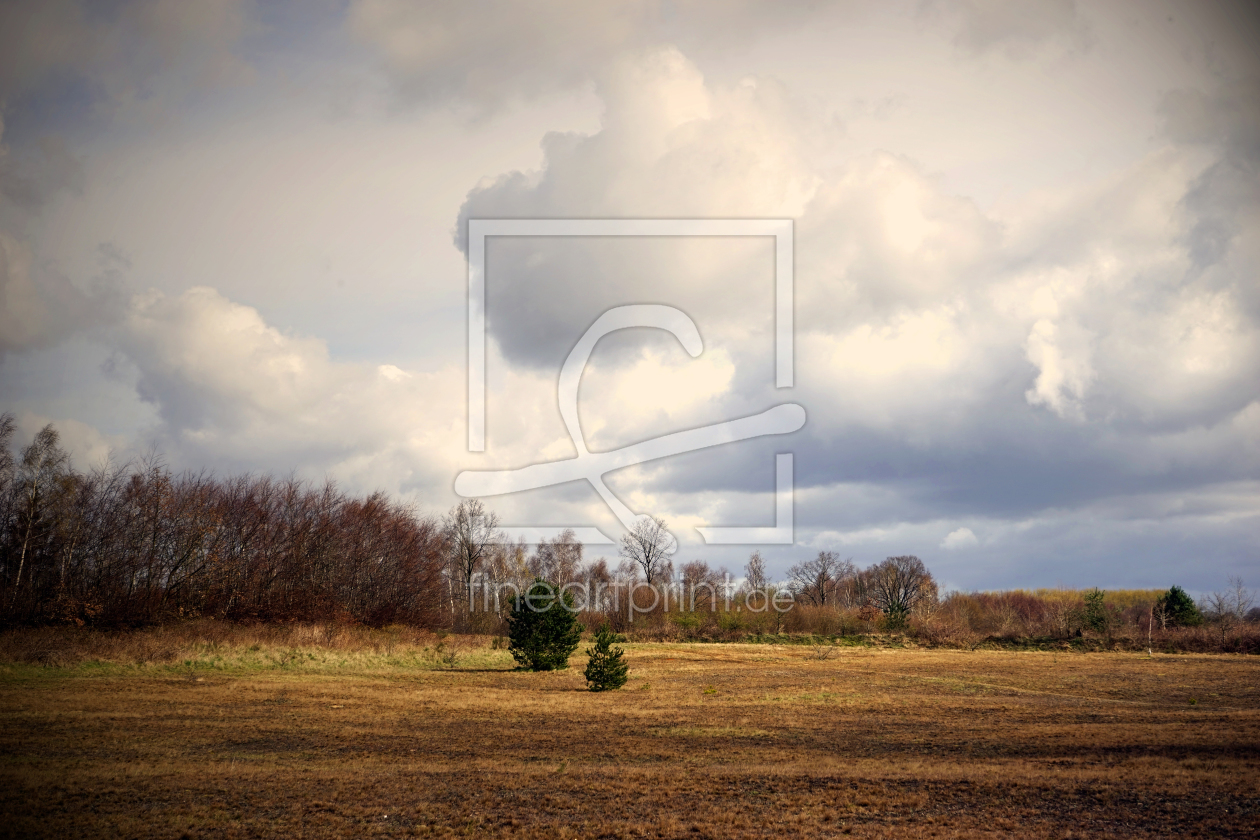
{"x":993,"y":471}
{"x":543,"y":293}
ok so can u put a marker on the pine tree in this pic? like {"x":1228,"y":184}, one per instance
{"x":607,"y":669}
{"x":1178,"y":608}
{"x":1096,"y":616}
{"x":543,"y":628}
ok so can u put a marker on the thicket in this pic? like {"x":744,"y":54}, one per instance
{"x":135,"y":544}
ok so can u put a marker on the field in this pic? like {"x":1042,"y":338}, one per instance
{"x":428,"y":737}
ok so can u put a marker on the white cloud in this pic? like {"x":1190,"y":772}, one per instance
{"x":959,"y":538}
{"x":232,"y":389}
{"x":1064,"y":372}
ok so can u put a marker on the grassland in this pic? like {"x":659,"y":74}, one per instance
{"x":319,"y":732}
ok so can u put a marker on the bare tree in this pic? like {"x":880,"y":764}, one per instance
{"x":1229,"y":608}
{"x":755,"y":572}
{"x":899,"y":585}
{"x":506,"y":567}
{"x":1242,"y":599}
{"x":43,"y":466}
{"x":599,"y":582}
{"x":470,"y":531}
{"x":815,"y":580}
{"x":7,"y":429}
{"x":649,"y":545}
{"x":558,"y":561}
{"x":701,"y":585}
{"x":135,"y":544}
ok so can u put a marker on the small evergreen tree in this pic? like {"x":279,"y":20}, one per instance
{"x":1096,"y":617}
{"x":543,"y":628}
{"x":1178,"y":609}
{"x":607,"y":669}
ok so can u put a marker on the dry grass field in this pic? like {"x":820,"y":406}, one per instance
{"x":385,"y":737}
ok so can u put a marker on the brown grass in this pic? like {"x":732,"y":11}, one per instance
{"x":705,"y":741}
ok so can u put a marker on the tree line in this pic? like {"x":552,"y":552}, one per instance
{"x":134,"y":544}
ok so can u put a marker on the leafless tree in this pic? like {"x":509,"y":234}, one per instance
{"x":1229,"y":608}
{"x":600,"y":582}
{"x":504,"y":572}
{"x":7,"y":429}
{"x":899,"y":585}
{"x":702,"y":585}
{"x":1160,"y":613}
{"x":649,"y":545}
{"x":755,"y":572}
{"x":135,"y":544}
{"x":815,"y":580}
{"x":40,"y":471}
{"x":1242,"y":600}
{"x":559,"y":560}
{"x":470,"y":532}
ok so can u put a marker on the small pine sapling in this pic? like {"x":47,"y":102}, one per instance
{"x":607,"y":669}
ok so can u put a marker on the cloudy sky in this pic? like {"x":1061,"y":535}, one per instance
{"x":1027,"y":260}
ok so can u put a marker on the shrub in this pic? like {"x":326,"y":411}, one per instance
{"x":543,"y":628}
{"x":607,"y":669}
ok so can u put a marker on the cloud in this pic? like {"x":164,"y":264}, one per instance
{"x":88,"y":446}
{"x":485,"y":53}
{"x":124,"y":53}
{"x":1018,"y":305}
{"x":1227,"y":117}
{"x":488,"y":51}
{"x":1018,"y":30}
{"x":670,"y":146}
{"x":880,"y":234}
{"x":959,"y":538}
{"x":232,"y":390}
{"x":1064,"y":371}
{"x":36,"y":313}
{"x":38,"y":305}
{"x":1225,"y":199}
{"x":29,"y":184}
{"x":987,"y":362}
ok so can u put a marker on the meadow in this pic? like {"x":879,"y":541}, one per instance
{"x":213,"y":730}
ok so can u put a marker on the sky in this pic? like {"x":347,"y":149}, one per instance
{"x":1026,"y":261}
